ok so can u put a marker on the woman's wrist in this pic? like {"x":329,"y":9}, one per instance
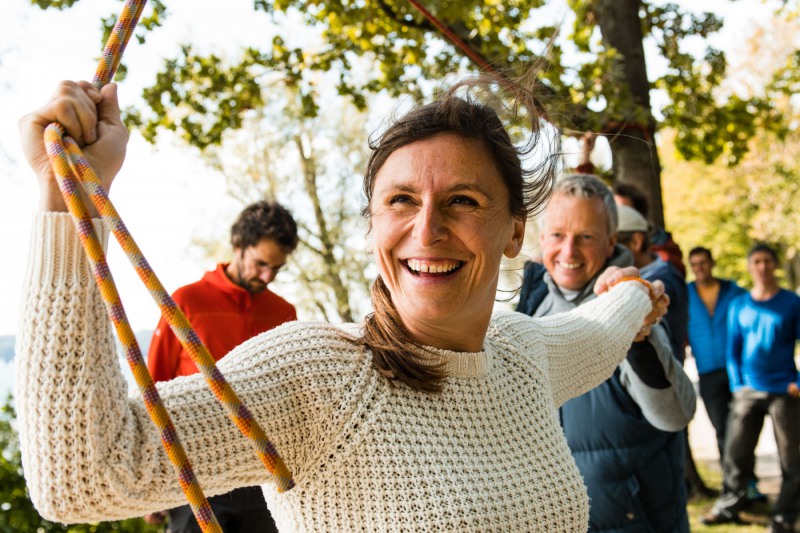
{"x":52,"y":200}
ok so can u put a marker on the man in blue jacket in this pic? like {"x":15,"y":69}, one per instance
{"x":626,"y":434}
{"x":763,"y":330}
{"x":709,"y":299}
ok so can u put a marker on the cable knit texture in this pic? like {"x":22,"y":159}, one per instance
{"x":487,"y":454}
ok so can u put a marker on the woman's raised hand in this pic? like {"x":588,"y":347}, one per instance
{"x":92,"y":119}
{"x":612,"y":275}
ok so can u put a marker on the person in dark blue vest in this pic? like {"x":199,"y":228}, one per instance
{"x":626,"y":434}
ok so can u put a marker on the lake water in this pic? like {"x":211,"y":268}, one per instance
{"x":6,"y":379}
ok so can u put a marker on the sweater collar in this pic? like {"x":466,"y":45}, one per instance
{"x":462,"y":364}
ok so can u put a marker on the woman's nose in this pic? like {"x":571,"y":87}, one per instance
{"x":429,"y":225}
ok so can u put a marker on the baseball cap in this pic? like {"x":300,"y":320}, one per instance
{"x":631,"y":220}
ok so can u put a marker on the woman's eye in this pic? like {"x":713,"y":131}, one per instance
{"x":399,"y":199}
{"x":464,"y":200}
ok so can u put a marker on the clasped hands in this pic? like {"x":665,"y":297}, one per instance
{"x":612,"y":275}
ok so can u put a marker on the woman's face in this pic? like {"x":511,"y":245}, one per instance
{"x":441,"y":224}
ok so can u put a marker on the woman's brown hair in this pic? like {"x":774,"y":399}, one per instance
{"x":469,"y":109}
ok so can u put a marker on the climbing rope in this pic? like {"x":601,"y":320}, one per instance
{"x":72,"y":173}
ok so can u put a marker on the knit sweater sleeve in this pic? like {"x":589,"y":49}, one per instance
{"x":90,"y":452}
{"x":582,"y":348}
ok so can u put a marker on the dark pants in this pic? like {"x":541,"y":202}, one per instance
{"x":744,"y":427}
{"x":239,"y":511}
{"x":716,"y":393}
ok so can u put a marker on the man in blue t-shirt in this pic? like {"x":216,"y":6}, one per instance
{"x":709,"y":300}
{"x":763,"y":329}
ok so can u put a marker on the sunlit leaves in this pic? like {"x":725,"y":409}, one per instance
{"x":728,"y":208}
{"x":56,"y":4}
{"x":203,"y":96}
{"x":583,"y":80}
{"x":725,"y":207}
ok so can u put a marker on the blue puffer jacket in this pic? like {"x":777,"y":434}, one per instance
{"x":633,"y":471}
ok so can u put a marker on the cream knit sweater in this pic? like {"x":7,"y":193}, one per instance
{"x":487,"y":454}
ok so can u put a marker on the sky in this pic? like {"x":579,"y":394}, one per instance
{"x":164,"y":194}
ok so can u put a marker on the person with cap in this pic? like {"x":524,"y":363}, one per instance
{"x":640,"y":236}
{"x":661,"y":240}
{"x":625,"y":434}
{"x":634,"y":233}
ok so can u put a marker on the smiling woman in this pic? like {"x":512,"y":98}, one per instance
{"x":436,"y":414}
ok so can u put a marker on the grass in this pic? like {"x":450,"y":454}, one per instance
{"x":757,"y":515}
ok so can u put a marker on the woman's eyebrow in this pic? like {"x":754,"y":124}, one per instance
{"x":469,"y":187}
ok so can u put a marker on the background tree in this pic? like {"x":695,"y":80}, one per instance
{"x":727,"y":208}
{"x":313,"y":165}
{"x":594,"y":76}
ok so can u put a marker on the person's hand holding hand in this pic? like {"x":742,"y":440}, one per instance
{"x":660,"y":306}
{"x":613,"y":275}
{"x":92,"y":119}
{"x":793,"y":390}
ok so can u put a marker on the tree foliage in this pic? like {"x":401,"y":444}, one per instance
{"x":595,"y":75}
{"x":16,"y":509}
{"x":592,"y":77}
{"x":728,"y":208}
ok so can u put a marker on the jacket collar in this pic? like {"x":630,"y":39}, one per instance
{"x":218,"y":279}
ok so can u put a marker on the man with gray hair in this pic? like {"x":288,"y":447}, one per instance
{"x":626,"y":434}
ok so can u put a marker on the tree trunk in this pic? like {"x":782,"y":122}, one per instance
{"x":332,"y":272}
{"x":632,"y":138}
